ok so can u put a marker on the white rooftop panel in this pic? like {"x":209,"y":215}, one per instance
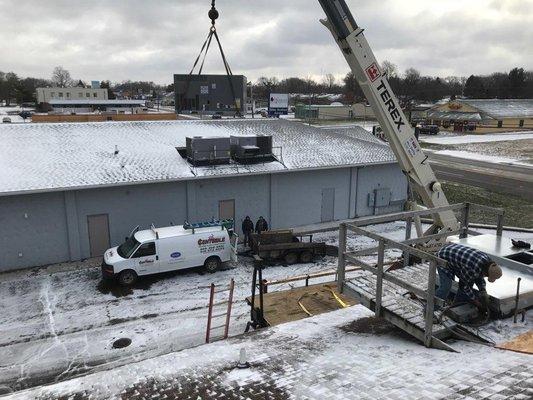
{"x":43,"y":157}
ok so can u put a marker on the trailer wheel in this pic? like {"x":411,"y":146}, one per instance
{"x":306,"y":257}
{"x":212,"y":264}
{"x":291,"y":258}
{"x":127,"y":277}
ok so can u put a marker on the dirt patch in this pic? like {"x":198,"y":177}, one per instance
{"x":371,"y":325}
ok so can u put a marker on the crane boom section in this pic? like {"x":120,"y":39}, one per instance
{"x":386,"y":106}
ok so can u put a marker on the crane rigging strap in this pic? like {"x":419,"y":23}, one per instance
{"x":213,"y":15}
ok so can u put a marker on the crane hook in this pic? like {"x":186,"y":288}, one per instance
{"x":213,"y":13}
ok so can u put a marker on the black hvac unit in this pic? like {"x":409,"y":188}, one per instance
{"x":250,"y":149}
{"x":208,"y":150}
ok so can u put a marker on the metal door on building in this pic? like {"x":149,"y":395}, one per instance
{"x":328,"y":204}
{"x":98,"y":234}
{"x":226,"y":209}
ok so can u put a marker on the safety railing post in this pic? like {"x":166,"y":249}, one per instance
{"x":465,"y":221}
{"x":408,"y":231}
{"x":210,"y":313}
{"x":499,"y":224}
{"x":430,"y":305}
{"x":230,"y":302}
{"x":341,"y":268}
{"x":379,"y":278}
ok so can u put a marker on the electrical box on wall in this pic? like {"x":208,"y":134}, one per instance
{"x":379,"y":198}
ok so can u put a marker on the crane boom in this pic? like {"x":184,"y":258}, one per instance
{"x":389,"y":114}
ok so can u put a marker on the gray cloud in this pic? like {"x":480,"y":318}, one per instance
{"x":151,"y":40}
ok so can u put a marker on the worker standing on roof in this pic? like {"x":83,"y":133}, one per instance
{"x":471,"y":266}
{"x":247,"y":229}
{"x":261,"y":225}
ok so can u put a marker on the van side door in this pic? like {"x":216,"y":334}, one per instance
{"x":145,"y":259}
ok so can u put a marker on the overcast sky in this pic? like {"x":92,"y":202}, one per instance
{"x":151,"y":40}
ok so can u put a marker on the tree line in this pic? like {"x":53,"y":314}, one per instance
{"x":409,"y":86}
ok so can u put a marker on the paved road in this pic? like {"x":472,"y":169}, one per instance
{"x":515,"y":179}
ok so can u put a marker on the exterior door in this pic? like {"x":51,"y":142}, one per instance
{"x":146,"y":260}
{"x":226,"y":209}
{"x":98,"y":234}
{"x":328,"y":204}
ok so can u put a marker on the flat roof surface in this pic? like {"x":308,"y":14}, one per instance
{"x":63,"y":156}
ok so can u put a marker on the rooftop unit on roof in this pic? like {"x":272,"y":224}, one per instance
{"x":208,"y":150}
{"x":251,"y":148}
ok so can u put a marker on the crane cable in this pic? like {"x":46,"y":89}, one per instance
{"x":213,"y":16}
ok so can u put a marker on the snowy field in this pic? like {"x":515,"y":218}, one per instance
{"x":479,"y":157}
{"x":60,"y":321}
{"x":464,"y":139}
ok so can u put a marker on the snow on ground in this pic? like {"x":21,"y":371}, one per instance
{"x":60,"y":321}
{"x":476,"y":156}
{"x":463,"y":139}
{"x":345,"y":354}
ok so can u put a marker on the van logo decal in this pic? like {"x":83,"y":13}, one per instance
{"x":176,"y":254}
{"x":211,"y":240}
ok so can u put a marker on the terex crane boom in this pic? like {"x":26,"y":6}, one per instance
{"x":389,"y":114}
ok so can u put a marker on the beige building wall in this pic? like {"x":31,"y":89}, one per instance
{"x":44,"y":95}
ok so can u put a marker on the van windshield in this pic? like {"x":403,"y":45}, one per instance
{"x":126,"y":249}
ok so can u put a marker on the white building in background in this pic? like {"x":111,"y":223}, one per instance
{"x":44,"y":95}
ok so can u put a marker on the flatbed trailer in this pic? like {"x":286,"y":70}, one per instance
{"x":283,"y":245}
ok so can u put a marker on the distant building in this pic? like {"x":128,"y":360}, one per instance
{"x":324,"y":112}
{"x":495,"y":113}
{"x":91,"y":105}
{"x":210,"y":93}
{"x":45,"y":95}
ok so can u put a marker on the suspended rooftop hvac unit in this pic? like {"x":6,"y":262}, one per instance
{"x":208,"y":150}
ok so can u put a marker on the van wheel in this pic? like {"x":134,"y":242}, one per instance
{"x":291,"y":258}
{"x":127,"y":277}
{"x":306,"y":257}
{"x":212,"y":264}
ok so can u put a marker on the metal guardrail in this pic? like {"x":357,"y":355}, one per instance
{"x":407,"y":248}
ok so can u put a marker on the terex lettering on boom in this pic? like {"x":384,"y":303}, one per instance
{"x":389,"y":102}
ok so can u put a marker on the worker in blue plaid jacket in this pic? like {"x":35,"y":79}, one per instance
{"x":471,"y":266}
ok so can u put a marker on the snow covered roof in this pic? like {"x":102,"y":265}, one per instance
{"x":502,"y":108}
{"x":46,"y":157}
{"x":454,"y":115}
{"x":95,"y":102}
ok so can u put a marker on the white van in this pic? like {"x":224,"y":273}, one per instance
{"x":171,"y":248}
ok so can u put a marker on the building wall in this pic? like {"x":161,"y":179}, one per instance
{"x":380,"y":177}
{"x":52,"y":227}
{"x":33,"y":230}
{"x":43,"y":118}
{"x":361,"y":110}
{"x":44,"y":95}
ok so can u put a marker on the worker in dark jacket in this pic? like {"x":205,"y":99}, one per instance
{"x":247,"y":229}
{"x":470,"y":266}
{"x":261,"y":225}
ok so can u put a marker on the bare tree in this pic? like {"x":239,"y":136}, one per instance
{"x":390,"y":69}
{"x":61,"y":77}
{"x":329,"y":81}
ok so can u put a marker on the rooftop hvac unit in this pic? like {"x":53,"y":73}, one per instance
{"x":251,"y":148}
{"x":208,"y":150}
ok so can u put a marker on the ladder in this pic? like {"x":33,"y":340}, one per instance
{"x":214,"y":315}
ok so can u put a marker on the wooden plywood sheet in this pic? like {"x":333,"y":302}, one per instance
{"x":521,"y":344}
{"x":282,"y":306}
